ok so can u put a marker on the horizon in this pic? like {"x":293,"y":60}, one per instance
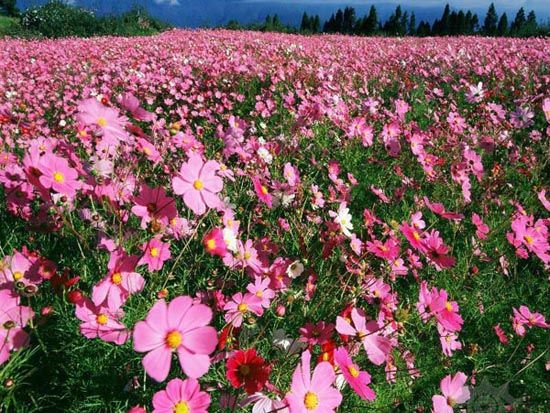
{"x":211,"y":13}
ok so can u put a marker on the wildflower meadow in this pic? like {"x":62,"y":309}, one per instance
{"x":225,"y":221}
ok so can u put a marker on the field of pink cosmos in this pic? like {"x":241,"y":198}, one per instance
{"x":217,"y":221}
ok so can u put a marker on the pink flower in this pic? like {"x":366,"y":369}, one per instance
{"x":261,"y":289}
{"x":377,"y":346}
{"x":437,"y":251}
{"x":291,"y":174}
{"x":449,"y":341}
{"x":153,"y":204}
{"x":481,"y":229}
{"x":198,"y":183}
{"x":101,"y":321}
{"x":155,"y":252}
{"x":454,"y":392}
{"x":546,"y":108}
{"x":58,"y":175}
{"x":181,"y":396}
{"x":524,"y":317}
{"x":181,"y":327}
{"x":357,"y":379}
{"x":13,"y":317}
{"x":120,"y":283}
{"x":106,"y":121}
{"x":262,"y":191}
{"x":240,"y":306}
{"x":313,"y":394}
{"x":129,"y":102}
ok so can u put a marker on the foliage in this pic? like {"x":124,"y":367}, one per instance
{"x":59,"y":19}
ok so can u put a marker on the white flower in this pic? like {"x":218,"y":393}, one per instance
{"x":343,"y":218}
{"x":295,"y":269}
{"x":265,"y":155}
{"x":230,"y":239}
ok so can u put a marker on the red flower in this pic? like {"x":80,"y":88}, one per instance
{"x":246,"y":367}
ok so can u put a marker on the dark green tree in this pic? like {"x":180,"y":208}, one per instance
{"x":411,"y":29}
{"x":502,"y":28}
{"x":305,"y":25}
{"x":9,"y":7}
{"x":519,"y":22}
{"x":490,"y":22}
{"x":371,"y":22}
{"x":315,"y":24}
{"x":348,"y":21}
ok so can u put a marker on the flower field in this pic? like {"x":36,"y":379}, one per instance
{"x":235,"y":221}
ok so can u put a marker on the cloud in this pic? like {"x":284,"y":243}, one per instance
{"x":168,"y":2}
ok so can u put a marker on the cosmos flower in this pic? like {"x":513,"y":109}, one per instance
{"x":181,"y":396}
{"x":313,"y":393}
{"x":198,"y":183}
{"x":357,"y":379}
{"x":246,"y":368}
{"x":454,"y":392}
{"x":179,"y":327}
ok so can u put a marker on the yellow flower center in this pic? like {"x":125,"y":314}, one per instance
{"x":416,"y":235}
{"x":244,"y":370}
{"x":58,"y":177}
{"x":528,"y":239}
{"x":451,"y":402}
{"x":353,"y":371}
{"x":211,"y":244}
{"x":147,"y":151}
{"x":17,"y":275}
{"x":448,"y":306}
{"x":198,"y":185}
{"x":102,"y":319}
{"x":264,"y":190}
{"x":173,"y":339}
{"x":102,"y":122}
{"x":259,"y":294}
{"x":181,"y":407}
{"x":311,"y":401}
{"x":376,"y":293}
{"x":325,"y":356}
{"x":116,"y":278}
{"x":242,"y":307}
{"x":154,"y":252}
{"x":247,"y":255}
{"x":361,"y":335}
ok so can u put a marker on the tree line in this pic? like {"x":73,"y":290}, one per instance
{"x":403,"y":23}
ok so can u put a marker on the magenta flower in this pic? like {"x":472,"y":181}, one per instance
{"x":101,"y":321}
{"x":58,"y":175}
{"x":313,"y":394}
{"x":13,"y":317}
{"x":180,"y":327}
{"x":377,"y":346}
{"x":153,"y":204}
{"x":106,"y":121}
{"x":120,"y":283}
{"x":524,"y":317}
{"x":198,"y":183}
{"x":262,"y":192}
{"x":181,"y":396}
{"x":155,"y":252}
{"x":454,"y":392}
{"x":357,"y":379}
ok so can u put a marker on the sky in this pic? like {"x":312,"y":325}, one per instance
{"x":195,"y":13}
